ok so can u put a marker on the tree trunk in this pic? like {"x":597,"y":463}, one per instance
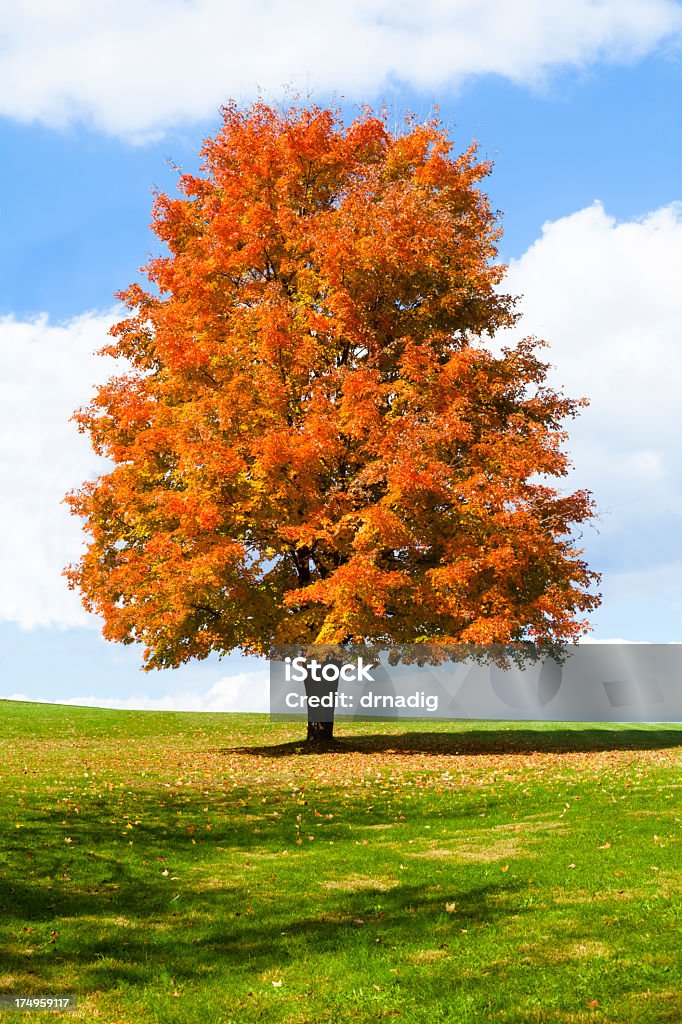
{"x":320,"y":732}
{"x":321,"y":717}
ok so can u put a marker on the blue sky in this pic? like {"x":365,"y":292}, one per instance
{"x":579,"y":107}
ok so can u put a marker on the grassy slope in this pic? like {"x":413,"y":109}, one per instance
{"x":196,"y":868}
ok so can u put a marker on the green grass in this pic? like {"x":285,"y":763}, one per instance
{"x":171,"y":867}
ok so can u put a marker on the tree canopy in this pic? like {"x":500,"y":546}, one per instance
{"x":313,"y":442}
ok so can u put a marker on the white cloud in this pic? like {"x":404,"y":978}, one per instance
{"x":615,"y":640}
{"x":46,"y":371}
{"x":135,"y":67}
{"x":606,"y":296}
{"x":247,"y":691}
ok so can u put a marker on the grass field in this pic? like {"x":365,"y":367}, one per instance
{"x":171,"y":867}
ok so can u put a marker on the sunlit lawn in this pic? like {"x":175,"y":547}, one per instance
{"x":205,"y":868}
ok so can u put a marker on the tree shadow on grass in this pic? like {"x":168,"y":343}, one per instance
{"x":480,"y":742}
{"x":102,"y":922}
{"x":212,"y":940}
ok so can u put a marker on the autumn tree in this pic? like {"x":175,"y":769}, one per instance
{"x":313,"y":442}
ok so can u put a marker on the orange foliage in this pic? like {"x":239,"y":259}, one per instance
{"x":313,"y":443}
